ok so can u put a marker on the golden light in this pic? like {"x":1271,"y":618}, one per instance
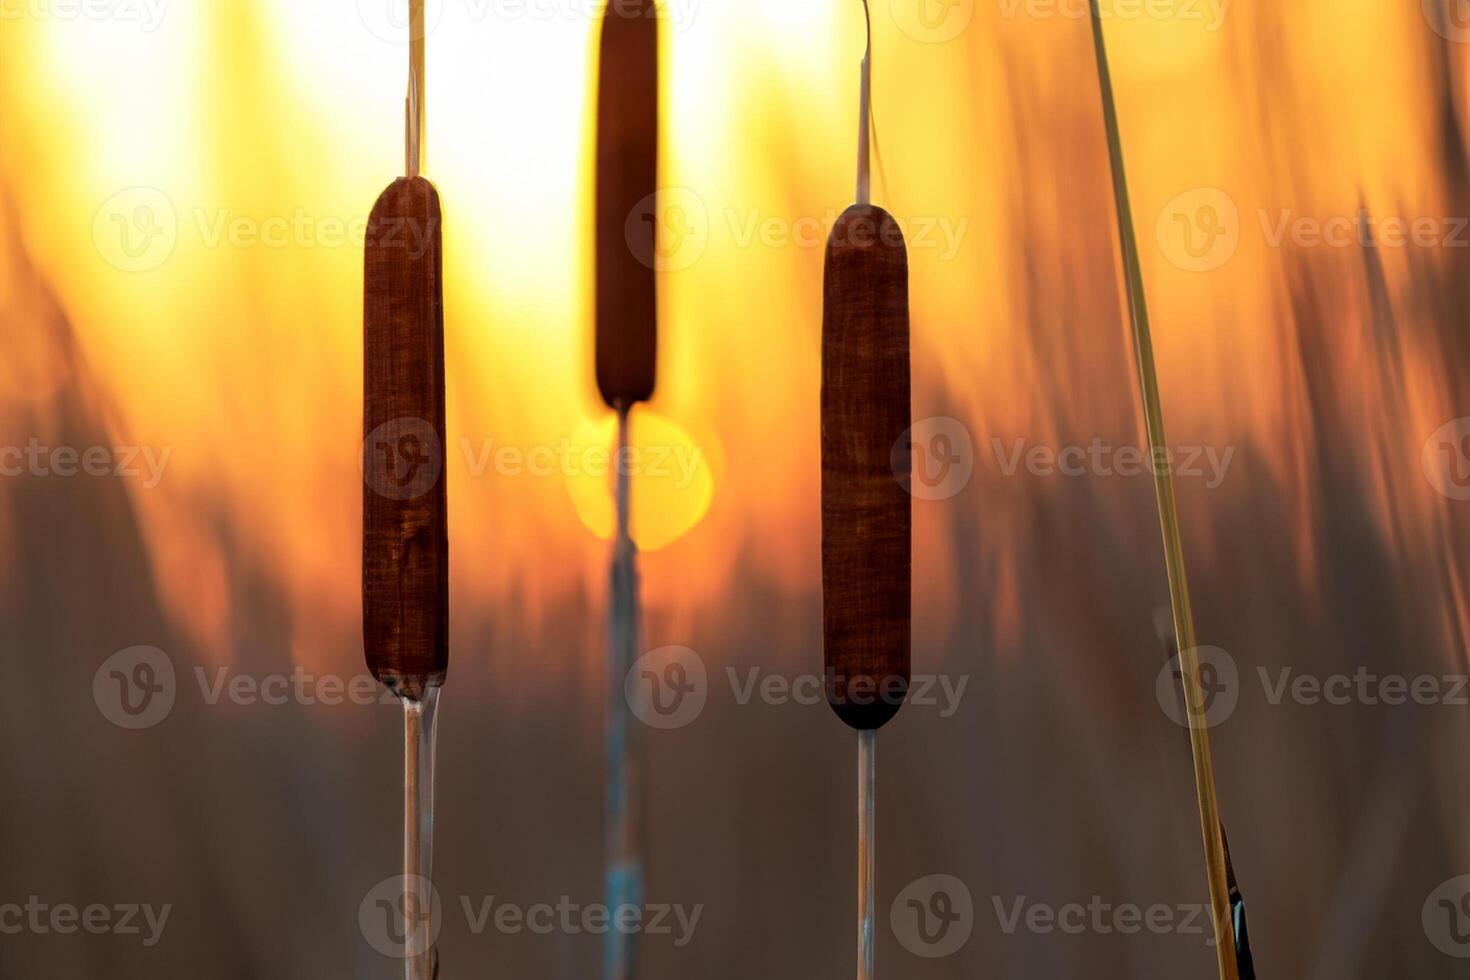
{"x":214,"y":170}
{"x":672,"y":478}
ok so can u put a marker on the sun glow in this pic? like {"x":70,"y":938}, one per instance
{"x":214,"y":171}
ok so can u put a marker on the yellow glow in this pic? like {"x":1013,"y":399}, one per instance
{"x":672,"y":482}
{"x":259,"y":132}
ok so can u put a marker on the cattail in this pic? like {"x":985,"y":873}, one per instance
{"x":866,"y":510}
{"x":405,"y":554}
{"x":627,"y":177}
{"x":626,"y":362}
{"x":405,"y":520}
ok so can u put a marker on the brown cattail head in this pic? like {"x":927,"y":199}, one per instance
{"x":866,"y":512}
{"x":627,"y":181}
{"x":405,"y":525}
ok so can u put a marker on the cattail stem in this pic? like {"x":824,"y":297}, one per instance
{"x":624,"y":830}
{"x":1204,"y":766}
{"x":414,"y":122}
{"x":865,"y":113}
{"x":867,"y":785}
{"x":420,"y":729}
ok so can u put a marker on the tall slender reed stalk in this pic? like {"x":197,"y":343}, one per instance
{"x":624,"y":744}
{"x":1199,"y":735}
